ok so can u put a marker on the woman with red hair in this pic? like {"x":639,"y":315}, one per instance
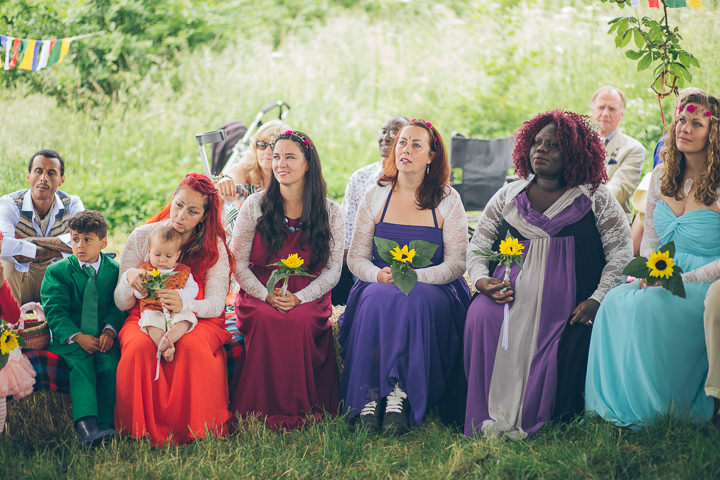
{"x":190,"y":397}
{"x":526,"y":365}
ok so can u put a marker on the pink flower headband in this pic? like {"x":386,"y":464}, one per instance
{"x":690,"y":108}
{"x":428,"y":124}
{"x":300,"y":137}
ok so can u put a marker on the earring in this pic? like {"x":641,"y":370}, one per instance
{"x":427,"y":169}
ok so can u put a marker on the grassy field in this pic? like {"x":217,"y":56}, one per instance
{"x":480,"y":70}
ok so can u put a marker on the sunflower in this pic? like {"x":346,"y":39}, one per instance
{"x":292,"y":261}
{"x":8,"y":341}
{"x":511,"y":247}
{"x":660,"y":264}
{"x":403,"y":254}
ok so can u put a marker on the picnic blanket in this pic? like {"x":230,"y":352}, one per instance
{"x":52,"y":372}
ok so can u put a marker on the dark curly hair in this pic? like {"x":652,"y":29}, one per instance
{"x":580,"y":144}
{"x":315,"y":220}
{"x":674,"y":160}
{"x":432,"y":189}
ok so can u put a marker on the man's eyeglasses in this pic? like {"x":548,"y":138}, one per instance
{"x":384,"y":132}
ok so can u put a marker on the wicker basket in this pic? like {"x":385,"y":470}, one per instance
{"x":33,"y":328}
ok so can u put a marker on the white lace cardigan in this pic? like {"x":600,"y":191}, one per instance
{"x":241,"y":245}
{"x":707,"y":273}
{"x":610,"y":219}
{"x":217,"y":277}
{"x":455,"y":238}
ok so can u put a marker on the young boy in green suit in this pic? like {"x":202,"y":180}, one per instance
{"x":77,"y":295}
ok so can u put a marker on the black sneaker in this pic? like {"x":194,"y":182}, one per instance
{"x":395,"y":421}
{"x":370,"y":416}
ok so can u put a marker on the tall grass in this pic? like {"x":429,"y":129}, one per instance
{"x":480,"y":69}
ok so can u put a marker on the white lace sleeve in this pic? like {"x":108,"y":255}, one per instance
{"x":216,"y":278}
{"x":486,"y":233}
{"x":359,"y":257}
{"x":330,"y":274}
{"x":616,"y":240}
{"x":455,"y":241}
{"x":132,"y":256}
{"x":650,"y":240}
{"x":241,"y":244}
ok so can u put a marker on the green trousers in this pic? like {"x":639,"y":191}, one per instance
{"x":92,"y":382}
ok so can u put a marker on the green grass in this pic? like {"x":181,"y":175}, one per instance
{"x":588,"y":448}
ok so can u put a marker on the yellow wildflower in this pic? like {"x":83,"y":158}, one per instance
{"x":660,"y":264}
{"x":511,"y":247}
{"x":293,"y":261}
{"x":155,"y":273}
{"x":8,"y":341}
{"x":403,"y":254}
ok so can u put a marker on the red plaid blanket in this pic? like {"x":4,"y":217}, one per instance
{"x":52,"y":372}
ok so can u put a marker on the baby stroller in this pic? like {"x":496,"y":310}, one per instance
{"x":229,"y":143}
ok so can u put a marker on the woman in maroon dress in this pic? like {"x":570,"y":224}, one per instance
{"x":288,"y":374}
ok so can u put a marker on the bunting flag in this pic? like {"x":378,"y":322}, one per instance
{"x":671,"y":3}
{"x":27,"y":54}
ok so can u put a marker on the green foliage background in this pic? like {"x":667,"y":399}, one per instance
{"x":124,"y":107}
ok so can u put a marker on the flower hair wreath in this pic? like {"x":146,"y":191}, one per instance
{"x":297,"y":135}
{"x":690,"y":108}
{"x":427,"y":124}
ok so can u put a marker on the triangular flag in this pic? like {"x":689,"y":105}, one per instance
{"x":64,"y":48}
{"x":694,"y":4}
{"x":27,"y":60}
{"x":44,"y":54}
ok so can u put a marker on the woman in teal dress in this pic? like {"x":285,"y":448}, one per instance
{"x":647,"y":352}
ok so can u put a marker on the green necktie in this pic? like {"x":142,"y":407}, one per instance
{"x":89,"y":320}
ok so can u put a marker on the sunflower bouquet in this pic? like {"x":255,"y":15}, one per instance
{"x":155,"y":280}
{"x":8,"y":341}
{"x":659,"y":267}
{"x":403,"y":260}
{"x":294,"y":264}
{"x":510,"y":251}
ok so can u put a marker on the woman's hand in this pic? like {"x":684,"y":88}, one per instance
{"x":385,"y":275}
{"x":643,"y":283}
{"x":584,"y":313}
{"x":280,"y":302}
{"x":170,"y":299}
{"x":134,"y":277}
{"x":492,"y":287}
{"x":227,"y":189}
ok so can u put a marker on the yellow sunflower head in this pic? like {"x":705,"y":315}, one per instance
{"x":660,"y":264}
{"x":8,"y":341}
{"x":293,"y":261}
{"x":403,"y":254}
{"x":155,"y":272}
{"x":511,"y":247}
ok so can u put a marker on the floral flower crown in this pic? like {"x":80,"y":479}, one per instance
{"x":299,"y":136}
{"x":429,"y":125}
{"x":690,"y":108}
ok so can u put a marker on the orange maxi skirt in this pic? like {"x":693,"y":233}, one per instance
{"x":190,"y":398}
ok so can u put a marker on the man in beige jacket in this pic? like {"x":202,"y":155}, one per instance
{"x":625,"y":155}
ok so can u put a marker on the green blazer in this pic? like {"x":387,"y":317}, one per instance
{"x":61,"y":296}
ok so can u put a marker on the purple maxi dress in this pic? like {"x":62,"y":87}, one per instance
{"x":541,"y":375}
{"x":415,"y":340}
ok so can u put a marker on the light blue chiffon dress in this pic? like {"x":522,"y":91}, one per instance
{"x":647,"y":353}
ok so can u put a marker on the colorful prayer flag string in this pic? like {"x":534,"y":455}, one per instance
{"x":28,"y":54}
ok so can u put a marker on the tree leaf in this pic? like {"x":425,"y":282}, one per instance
{"x":644,"y":62}
{"x":633,"y":54}
{"x":638,"y":38}
{"x":404,"y":277}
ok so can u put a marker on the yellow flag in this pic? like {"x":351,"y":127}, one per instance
{"x":694,"y":3}
{"x":64,"y":48}
{"x":27,"y":60}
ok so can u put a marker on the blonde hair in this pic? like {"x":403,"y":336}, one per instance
{"x":674,"y":160}
{"x":249,"y":161}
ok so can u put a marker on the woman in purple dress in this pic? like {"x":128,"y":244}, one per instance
{"x":400,"y":350}
{"x":531,"y":368}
